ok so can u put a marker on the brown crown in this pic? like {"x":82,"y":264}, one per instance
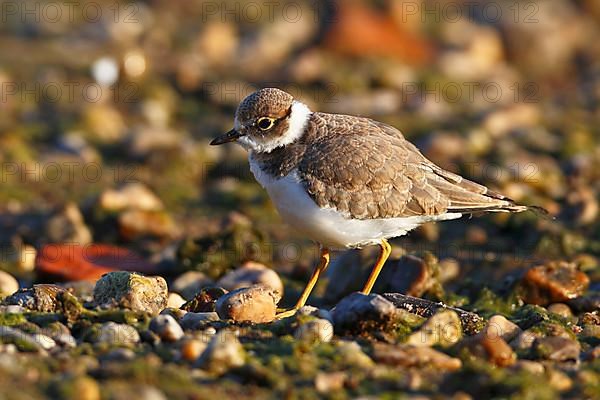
{"x":268,"y":102}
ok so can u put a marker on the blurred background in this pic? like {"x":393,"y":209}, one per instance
{"x":107,"y":108}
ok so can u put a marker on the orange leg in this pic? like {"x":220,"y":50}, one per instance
{"x":319,"y":269}
{"x":386,"y":249}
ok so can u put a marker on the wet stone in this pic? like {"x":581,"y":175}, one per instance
{"x":115,"y":334}
{"x":222,"y":353}
{"x":189,"y":283}
{"x":499,"y":326}
{"x":205,"y":300}
{"x":249,"y":274}
{"x":254,"y":304}
{"x":555,"y":282}
{"x":443,"y":329}
{"x":410,"y":356}
{"x":556,"y":348}
{"x":316,"y":330}
{"x":167,"y":328}
{"x":42,"y":297}
{"x":358,"y":311}
{"x":196,"y":321}
{"x":131,"y":291}
{"x":8,"y":284}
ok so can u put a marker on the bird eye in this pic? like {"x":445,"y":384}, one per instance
{"x":265,"y":123}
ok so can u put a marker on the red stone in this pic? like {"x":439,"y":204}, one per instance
{"x":74,"y":262}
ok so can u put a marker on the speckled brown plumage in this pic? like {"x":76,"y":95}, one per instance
{"x":366,"y":169}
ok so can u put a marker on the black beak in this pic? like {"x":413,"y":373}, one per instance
{"x":230,"y":136}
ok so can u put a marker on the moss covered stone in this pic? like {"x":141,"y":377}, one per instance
{"x":131,"y":291}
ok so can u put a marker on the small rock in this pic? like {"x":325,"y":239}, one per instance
{"x":86,"y":388}
{"x":205,"y":300}
{"x":443,"y":329}
{"x":316,"y":330}
{"x":175,"y":300}
{"x":559,"y":380}
{"x":351,"y":354}
{"x":254,"y":304}
{"x":194,"y":321}
{"x":134,"y":224}
{"x":67,"y":226}
{"x":555,"y":282}
{"x":25,"y":341}
{"x":358,"y":311}
{"x":189,"y":283}
{"x":315,"y":312}
{"x":410,"y":356}
{"x":249,"y":274}
{"x":556,"y":348}
{"x":222,"y":353}
{"x":494,"y":349}
{"x":118,"y":334}
{"x":590,"y":302}
{"x":411,"y":276}
{"x":132,"y":291}
{"x":560,"y":309}
{"x":119,"y":354}
{"x":532,"y":367}
{"x":130,"y":196}
{"x":326,"y":382}
{"x":524,"y":340}
{"x":191,"y":349}
{"x":500,"y":327}
{"x":8,"y":284}
{"x":167,"y":328}
{"x":42,"y":298}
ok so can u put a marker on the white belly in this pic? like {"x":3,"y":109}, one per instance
{"x":327,"y":226}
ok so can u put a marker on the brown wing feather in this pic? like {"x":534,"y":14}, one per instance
{"x":377,"y":173}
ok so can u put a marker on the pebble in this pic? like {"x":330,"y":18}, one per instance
{"x":561,"y":309}
{"x":326,"y":382}
{"x":411,"y":276}
{"x":189,"y":283}
{"x":559,"y":380}
{"x":174,"y":300}
{"x":555,"y":282}
{"x":42,"y":298}
{"x":130,"y":196}
{"x":532,"y":367}
{"x":316,"y":330}
{"x":132,"y":291}
{"x":249,"y":274}
{"x":357,"y":309}
{"x":222,"y":353}
{"x":351,"y":354}
{"x":196,"y":321}
{"x":500,"y":327}
{"x":118,"y":334}
{"x":556,"y":348}
{"x":315,"y":312}
{"x":524,"y":340}
{"x":443,"y":329}
{"x":8,"y":284}
{"x":134,"y":224}
{"x":25,"y":341}
{"x":167,"y":328}
{"x":86,"y":388}
{"x":205,"y":300}
{"x":408,"y":356}
{"x":191,"y":349}
{"x":68,"y":226}
{"x":253,"y":304}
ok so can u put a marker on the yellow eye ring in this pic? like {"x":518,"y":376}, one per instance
{"x":265,"y":123}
